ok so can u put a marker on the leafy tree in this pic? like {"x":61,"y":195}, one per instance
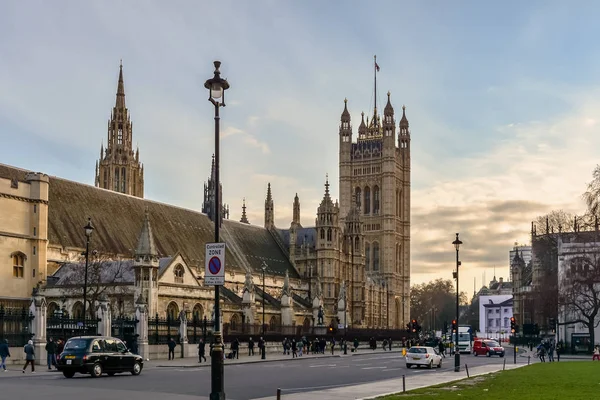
{"x":434,"y":303}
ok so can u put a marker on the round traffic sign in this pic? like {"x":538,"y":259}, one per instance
{"x":214,"y":265}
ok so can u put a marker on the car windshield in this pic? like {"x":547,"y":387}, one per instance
{"x":76,"y":344}
{"x":492,"y":343}
{"x":420,"y":350}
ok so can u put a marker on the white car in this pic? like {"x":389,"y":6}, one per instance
{"x":422,"y":355}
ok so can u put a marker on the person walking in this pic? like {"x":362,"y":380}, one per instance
{"x":294,"y":349}
{"x":172,"y":346}
{"x":596,"y":355}
{"x":250,"y":347}
{"x":355,"y":344}
{"x":4,"y":353}
{"x":201,"y":351}
{"x":390,"y":344}
{"x":261,"y":346}
{"x":51,"y":353}
{"x":29,"y":351}
{"x":442,"y":349}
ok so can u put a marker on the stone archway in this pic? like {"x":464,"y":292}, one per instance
{"x":198,"y":312}
{"x":173,"y":311}
{"x":77,"y":310}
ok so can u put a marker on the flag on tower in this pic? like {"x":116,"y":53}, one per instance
{"x":376,"y":66}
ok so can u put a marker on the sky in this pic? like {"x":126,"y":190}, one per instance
{"x":503,"y":100}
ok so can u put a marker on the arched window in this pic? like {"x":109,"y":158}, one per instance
{"x":18,"y":259}
{"x":358,"y":197}
{"x":77,"y":311}
{"x":105,"y":186}
{"x":173,"y":311}
{"x":367,"y":208}
{"x":234,"y":322}
{"x":52,"y":309}
{"x":367,"y":256}
{"x":376,"y":200}
{"x":123,"y":180}
{"x":120,"y":135}
{"x":357,"y":245}
{"x":198,"y":312}
{"x":375,"y":256}
{"x":322,"y":234}
{"x":117,"y":181}
{"x":329,"y":235}
{"x":273,"y":323}
{"x":178,"y":271}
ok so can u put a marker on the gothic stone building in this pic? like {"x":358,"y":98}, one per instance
{"x":358,"y":252}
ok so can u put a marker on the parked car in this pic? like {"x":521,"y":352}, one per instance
{"x":96,"y":355}
{"x":487,"y":347}
{"x":423,"y":355}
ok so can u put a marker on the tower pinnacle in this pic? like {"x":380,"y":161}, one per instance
{"x":120,"y":103}
{"x":244,"y":218}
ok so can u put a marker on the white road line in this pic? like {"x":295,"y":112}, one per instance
{"x":361,"y":365}
{"x":374,"y":368}
{"x":324,"y":365}
{"x":393,"y":369}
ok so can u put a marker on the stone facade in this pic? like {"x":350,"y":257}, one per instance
{"x":364,"y":240}
{"x":23,"y":236}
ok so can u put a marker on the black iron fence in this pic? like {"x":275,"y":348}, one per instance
{"x":123,"y":328}
{"x":64,"y":327}
{"x":198,"y":328}
{"x":161,"y":330}
{"x":15,"y":325}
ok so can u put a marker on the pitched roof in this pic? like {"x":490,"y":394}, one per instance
{"x":106,"y":272}
{"x":118,"y":220}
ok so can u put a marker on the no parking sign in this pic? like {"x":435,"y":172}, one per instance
{"x":214,"y":273}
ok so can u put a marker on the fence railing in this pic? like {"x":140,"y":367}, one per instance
{"x":14,"y":326}
{"x":161,"y":330}
{"x":65,"y":327}
{"x":123,"y":327}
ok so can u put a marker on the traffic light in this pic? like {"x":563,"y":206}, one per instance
{"x":332,"y":330}
{"x":454,"y":326}
{"x":513,"y":325}
{"x":414,"y":325}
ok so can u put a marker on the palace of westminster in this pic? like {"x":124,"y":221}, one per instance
{"x":354,"y":260}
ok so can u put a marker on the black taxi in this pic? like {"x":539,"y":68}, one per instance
{"x":96,"y":355}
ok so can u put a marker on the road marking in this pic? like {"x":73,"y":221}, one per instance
{"x":374,"y":368}
{"x":324,"y":365}
{"x":393,"y":369}
{"x":361,"y":365}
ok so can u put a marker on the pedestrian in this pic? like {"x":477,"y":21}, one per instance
{"x":300,"y":346}
{"x":558,"y":350}
{"x":261,"y":346}
{"x":355,"y":345}
{"x":384,"y":344}
{"x":51,"y":353}
{"x":172,"y":346}
{"x":201,"y":351}
{"x":250,"y":347}
{"x":332,"y":346}
{"x":442,"y":349}
{"x":29,"y":351}
{"x":390,"y":344}
{"x":551,"y":352}
{"x":294,"y":348}
{"x":4,"y":353}
{"x":235,"y":348}
{"x":596,"y":355}
{"x":134,"y":344}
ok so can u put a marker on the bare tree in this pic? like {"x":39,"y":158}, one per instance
{"x":104,"y":278}
{"x":592,"y":194}
{"x":580,"y":292}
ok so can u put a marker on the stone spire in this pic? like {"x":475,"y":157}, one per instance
{"x":388,"y":110}
{"x":244,"y":218}
{"x":146,"y":248}
{"x":208,"y":205}
{"x":404,"y":120}
{"x":269,"y":209}
{"x":120,"y":103}
{"x":345,"y":114}
{"x":296,"y":214}
{"x":362,"y":128}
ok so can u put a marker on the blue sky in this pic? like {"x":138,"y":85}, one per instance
{"x":503,"y":101}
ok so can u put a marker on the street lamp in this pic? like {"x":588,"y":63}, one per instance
{"x":457,"y":244}
{"x":88,"y":228}
{"x":264,"y":352}
{"x":216,"y":88}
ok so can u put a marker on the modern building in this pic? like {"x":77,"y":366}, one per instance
{"x":495,"y":312}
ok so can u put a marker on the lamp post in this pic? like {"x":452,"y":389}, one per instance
{"x":216,"y":87}
{"x":457,"y":244}
{"x":88,"y":228}
{"x":264,"y":349}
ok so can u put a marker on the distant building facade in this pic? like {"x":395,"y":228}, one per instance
{"x":495,"y":312}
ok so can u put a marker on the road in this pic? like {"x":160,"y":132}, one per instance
{"x":242,"y":381}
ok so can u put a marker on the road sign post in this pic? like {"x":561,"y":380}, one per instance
{"x":214,"y":274}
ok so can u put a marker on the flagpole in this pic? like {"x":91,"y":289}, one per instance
{"x":375,"y":73}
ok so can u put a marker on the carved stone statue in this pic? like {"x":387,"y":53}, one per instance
{"x":318,"y":288}
{"x":248,"y":283}
{"x":342,"y":294}
{"x":320,"y":315}
{"x":286,"y":290}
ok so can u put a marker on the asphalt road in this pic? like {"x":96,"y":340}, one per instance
{"x":242,"y":381}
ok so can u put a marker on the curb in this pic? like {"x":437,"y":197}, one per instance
{"x":207,"y":364}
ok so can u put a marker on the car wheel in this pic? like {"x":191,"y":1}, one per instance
{"x":440,"y":364}
{"x":408,"y":366}
{"x":475,"y":353}
{"x":69,"y":374}
{"x":137,"y":368}
{"x":97,"y":371}
{"x":502,"y":355}
{"x":430,"y":365}
{"x":489,"y":354}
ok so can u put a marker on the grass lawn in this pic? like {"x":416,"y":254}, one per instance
{"x":558,"y":380}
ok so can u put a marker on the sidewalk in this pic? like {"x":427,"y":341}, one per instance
{"x":192,"y":362}
{"x":390,"y":386}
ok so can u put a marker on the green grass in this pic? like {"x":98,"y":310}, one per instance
{"x":564,"y":381}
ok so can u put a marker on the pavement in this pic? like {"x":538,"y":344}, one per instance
{"x":356,"y":375}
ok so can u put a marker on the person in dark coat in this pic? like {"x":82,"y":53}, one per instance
{"x":250,"y":347}
{"x":51,"y":353}
{"x":235,"y":347}
{"x":442,"y":349}
{"x":29,"y":351}
{"x":172,"y":346}
{"x":4,"y":353}
{"x":201,"y":351}
{"x":134,"y":344}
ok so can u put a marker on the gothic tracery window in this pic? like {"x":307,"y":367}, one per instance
{"x":367,"y":256}
{"x":376,"y":256}
{"x":367,"y":208}
{"x":117,"y":181}
{"x":329,"y":235}
{"x":358,"y":197}
{"x":123,"y":180}
{"x":120,"y":135}
{"x":376,"y":200}
{"x":18,"y":265}
{"x":178,"y":272}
